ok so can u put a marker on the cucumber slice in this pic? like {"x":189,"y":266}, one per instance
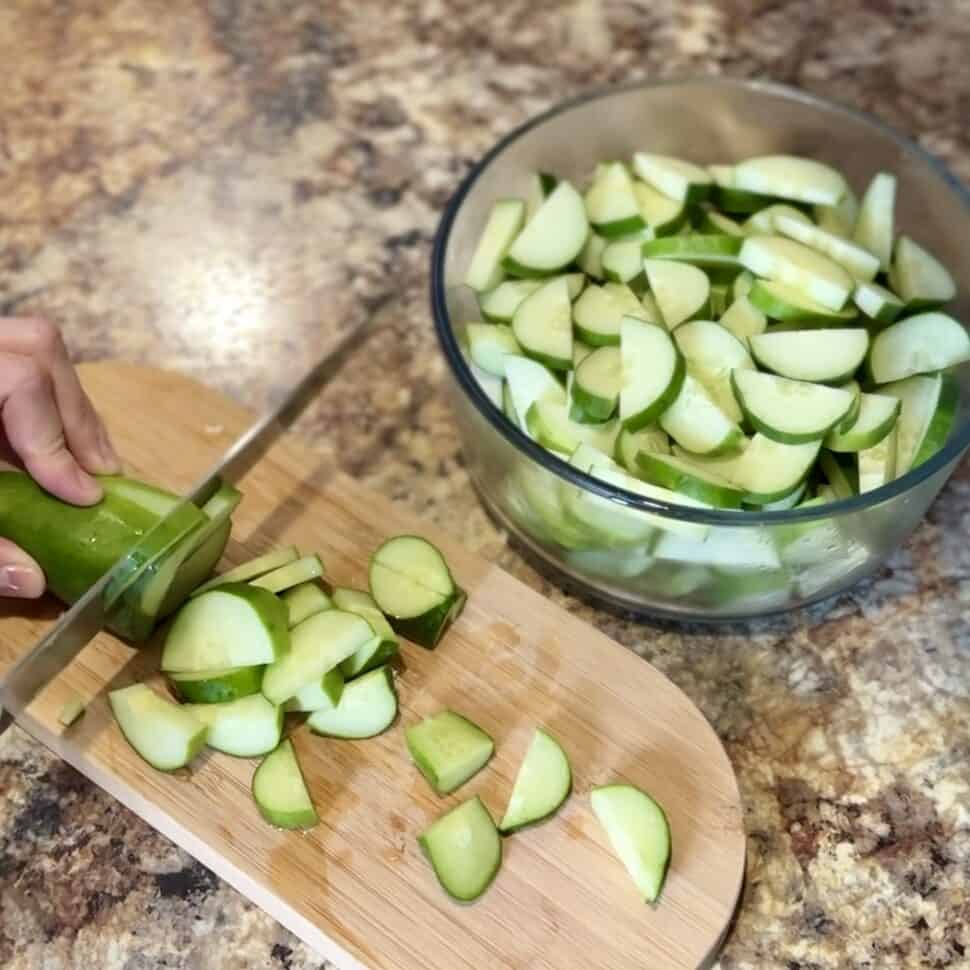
{"x":448,"y":750}
{"x":71,"y":711}
{"x":318,"y":695}
{"x":874,"y":225}
{"x":294,"y":574}
{"x":489,"y":383}
{"x":740,"y":549}
{"x":768,"y":470}
{"x":541,"y":786}
{"x":743,"y":319}
{"x":246,"y":728}
{"x":787,"y":261}
{"x":280,"y":791}
{"x":920,"y":279}
{"x":623,"y":260}
{"x":720,"y":299}
{"x":877,"y":465}
{"x":742,"y":284}
{"x":918,"y":345}
{"x":789,"y":411}
{"x":382,"y":648}
{"x":234,"y":626}
{"x":860,"y":263}
{"x":367,"y":707}
{"x":841,"y":218}
{"x":876,"y":302}
{"x":597,"y":383}
{"x":165,"y":735}
{"x":783,"y":302}
{"x":598,"y":312}
{"x":498,"y":305}
{"x":716,"y":223}
{"x":580,"y":352}
{"x":842,"y":483}
{"x":721,"y":466}
{"x":682,"y":291}
{"x":489,"y":345}
{"x":832,"y":356}
{"x":543,"y":325}
{"x":653,"y":372}
{"x":623,"y":564}
{"x":853,"y":414}
{"x":704,"y":251}
{"x":550,"y":423}
{"x":527,"y":381}
{"x":663,"y":215}
{"x":783,"y":504}
{"x":540,"y":188}
{"x":637,"y":829}
{"x":629,"y":444}
{"x":253,"y":568}
{"x":696,"y":423}
{"x":217,"y":686}
{"x":317,"y":645}
{"x":877,"y":416}
{"x":674,"y":177}
{"x":727,"y":197}
{"x":791,"y":177}
{"x":464,"y":849}
{"x":927,"y":410}
{"x":763,"y":223}
{"x":412,"y":586}
{"x":611,"y":205}
{"x":553,"y":237}
{"x":304,"y":601}
{"x":681,"y":476}
{"x":590,"y":260}
{"x":712,"y":352}
{"x":505,"y":220}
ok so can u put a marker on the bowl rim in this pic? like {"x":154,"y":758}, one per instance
{"x":959,"y":439}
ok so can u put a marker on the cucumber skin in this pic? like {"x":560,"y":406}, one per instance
{"x":639,"y":421}
{"x":428,"y":629}
{"x":219,"y":690}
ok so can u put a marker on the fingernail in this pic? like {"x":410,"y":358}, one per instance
{"x":21,"y":581}
{"x":109,"y":457}
{"x":89,"y":491}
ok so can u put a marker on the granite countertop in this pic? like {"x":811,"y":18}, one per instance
{"x":212,"y":185}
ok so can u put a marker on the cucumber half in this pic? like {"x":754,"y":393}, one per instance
{"x":682,"y":291}
{"x":504,"y":222}
{"x":498,"y":305}
{"x":679,"y":180}
{"x":662,"y":214}
{"x":861,"y":263}
{"x":787,"y":261}
{"x":490,"y":344}
{"x":304,"y":600}
{"x":543,"y":325}
{"x":597,"y":383}
{"x":318,"y":695}
{"x":783,"y":302}
{"x":877,"y":303}
{"x":652,"y":372}
{"x":877,"y":416}
{"x":828,"y":356}
{"x":927,"y":409}
{"x":368,"y":706}
{"x":293,"y":574}
{"x":552,"y":238}
{"x":917,"y":345}
{"x":217,"y":686}
{"x":247,"y":728}
{"x":382,"y":648}
{"x":920,"y":279}
{"x":448,"y":750}
{"x":253,"y":568}
{"x":680,"y":475}
{"x":768,"y":470}
{"x":598,"y":312}
{"x":791,"y":177}
{"x":874,"y":225}
{"x":696,"y":423}
{"x":541,"y":786}
{"x":280,"y":791}
{"x":712,"y":352}
{"x":611,"y":204}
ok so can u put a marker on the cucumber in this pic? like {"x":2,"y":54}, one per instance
{"x":677,"y":179}
{"x":504,"y":222}
{"x":859,"y":262}
{"x":623,"y":260}
{"x":830,"y":356}
{"x":598,"y":312}
{"x":841,"y":218}
{"x":499,"y":304}
{"x":699,"y":250}
{"x":597,"y":383}
{"x":639,"y":833}
{"x":464,"y":849}
{"x":253,"y":568}
{"x":541,"y":786}
{"x":448,"y":750}
{"x":716,"y":223}
{"x":791,"y":412}
{"x":720,"y":299}
{"x":246,"y":728}
{"x":412,"y":585}
{"x":611,"y":205}
{"x":696,"y":423}
{"x":876,"y":302}
{"x":294,"y":574}
{"x":280,"y":792}
{"x":652,"y":371}
{"x":742,"y":285}
{"x":552,"y":238}
{"x":318,"y":695}
{"x":877,"y":416}
{"x":71,"y":710}
{"x":590,"y":260}
{"x":367,"y":707}
{"x":489,"y":345}
{"x":304,"y":601}
{"x":382,"y":648}
{"x":927,"y":411}
{"x":629,"y":444}
{"x":527,"y":381}
{"x":623,"y":564}
{"x":217,"y":686}
{"x":791,"y":177}
{"x":842,"y":480}
{"x":540,"y":188}
{"x":783,"y":302}
{"x":741,"y":549}
{"x":768,"y":470}
{"x":317,"y":645}
{"x":543,"y":325}
{"x":874,"y":225}
{"x":853,"y":413}
{"x":743,"y":319}
{"x":920,"y":279}
{"x":663,"y":215}
{"x":679,"y":475}
{"x":787,"y":261}
{"x":727,"y":197}
{"x":234,"y":626}
{"x":682,"y":291}
{"x":917,"y":345}
{"x":877,"y":465}
{"x":711,"y":353}
{"x":720,"y":466}
{"x":165,"y":735}
{"x":763,"y":223}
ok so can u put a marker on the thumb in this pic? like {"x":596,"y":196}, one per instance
{"x":20,"y":576}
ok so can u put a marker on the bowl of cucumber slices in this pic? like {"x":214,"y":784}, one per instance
{"x":708,"y":341}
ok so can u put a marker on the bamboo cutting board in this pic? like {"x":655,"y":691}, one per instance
{"x":357,"y":887}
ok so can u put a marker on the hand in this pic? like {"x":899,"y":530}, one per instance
{"x":49,"y":427}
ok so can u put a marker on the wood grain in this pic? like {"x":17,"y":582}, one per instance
{"x":357,"y":887}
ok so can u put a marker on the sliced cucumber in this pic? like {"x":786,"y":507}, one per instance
{"x":280,"y":791}
{"x":639,"y":833}
{"x":629,"y":444}
{"x":552,"y":238}
{"x":860,"y":263}
{"x":727,"y":197}
{"x":842,"y":481}
{"x":768,"y":470}
{"x":832,"y":356}
{"x":382,"y":648}
{"x":367,"y":707}
{"x":540,"y":188}
{"x":541,"y":786}
{"x":590,"y":260}
{"x":920,"y":279}
{"x":791,"y":177}
{"x":712,"y":221}
{"x":252,"y":569}
{"x":696,"y":423}
{"x":623,"y":564}
{"x":286,"y":577}
{"x":877,"y":416}
{"x":303,"y":601}
{"x":783,"y":302}
{"x":918,"y":345}
{"x":623,"y":260}
{"x":653,"y":372}
{"x":840,"y":218}
{"x":318,"y":695}
{"x":927,"y":410}
{"x":464,"y":849}
{"x":543,"y":326}
{"x":236,"y":625}
{"x":217,"y":686}
{"x":598,"y":312}
{"x":597,"y":383}
{"x":712,"y":352}
{"x":877,"y":465}
{"x":874,"y":225}
{"x":789,"y":411}
{"x":504,"y":222}
{"x":720,"y":299}
{"x":677,"y":179}
{"x":550,"y":421}
{"x":876,"y":302}
{"x":741,"y":549}
{"x":165,"y":735}
{"x":682,"y":291}
{"x":662,"y":214}
{"x":611,"y":205}
{"x":527,"y":381}
{"x":490,"y":344}
{"x":763,"y":223}
{"x":853,"y":413}
{"x":680,"y":475}
{"x":448,"y":750}
{"x":498,"y":305}
{"x":318,"y":644}
{"x":743,"y":319}
{"x":246,"y":728}
{"x":742,"y":284}
{"x":787,"y":261}
{"x":699,"y":250}
{"x":412,"y":585}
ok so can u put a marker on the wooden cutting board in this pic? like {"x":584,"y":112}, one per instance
{"x":357,"y":888}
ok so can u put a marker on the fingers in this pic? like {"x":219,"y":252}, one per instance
{"x":20,"y":576}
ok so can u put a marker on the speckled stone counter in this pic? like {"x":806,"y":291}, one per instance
{"x":213,"y":186}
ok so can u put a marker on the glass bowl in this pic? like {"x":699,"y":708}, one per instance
{"x":720,"y":564}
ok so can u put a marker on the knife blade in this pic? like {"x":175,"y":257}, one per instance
{"x":85,"y":619}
